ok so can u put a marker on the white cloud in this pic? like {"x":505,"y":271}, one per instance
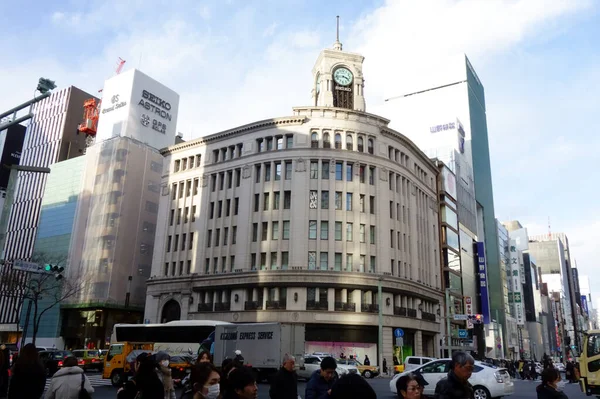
{"x":270,"y":30}
{"x":57,"y":16}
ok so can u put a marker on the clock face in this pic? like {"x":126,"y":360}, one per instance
{"x":342,"y":76}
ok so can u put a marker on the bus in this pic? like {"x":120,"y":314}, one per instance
{"x":589,"y":364}
{"x":182,"y":339}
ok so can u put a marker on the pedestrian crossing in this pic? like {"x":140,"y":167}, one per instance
{"x":95,"y":379}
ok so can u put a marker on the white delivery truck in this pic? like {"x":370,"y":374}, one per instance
{"x":263,"y":345}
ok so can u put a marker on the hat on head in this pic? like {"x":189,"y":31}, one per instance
{"x":419,"y":378}
{"x":142,"y":357}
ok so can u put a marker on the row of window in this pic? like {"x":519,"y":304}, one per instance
{"x":273,"y":171}
{"x":313,"y":202}
{"x":219,"y":206}
{"x":187,"y":163}
{"x":264,"y":236}
{"x":184,"y":188}
{"x":276,"y":203}
{"x":173,"y":242}
{"x":271,"y":143}
{"x":401,"y":239}
{"x":227,"y":153}
{"x":338,"y":265}
{"x":398,"y":156}
{"x":183,"y":215}
{"x":338,"y":231}
{"x":231,"y":177}
{"x":223,"y":263}
{"x":401,"y":212}
{"x":171,"y":269}
{"x":339,"y":171}
{"x":217,"y":237}
{"x":315,"y":140}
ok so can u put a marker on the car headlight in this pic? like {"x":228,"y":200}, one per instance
{"x":499,"y":377}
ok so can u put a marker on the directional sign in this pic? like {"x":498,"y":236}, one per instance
{"x":461,"y":317}
{"x":463,"y":333}
{"x":399,"y":341}
{"x":398,"y":333}
{"x":26,"y":266}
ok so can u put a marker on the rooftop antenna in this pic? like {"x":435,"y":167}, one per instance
{"x":337,"y":45}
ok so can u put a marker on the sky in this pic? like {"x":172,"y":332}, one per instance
{"x":239,"y":61}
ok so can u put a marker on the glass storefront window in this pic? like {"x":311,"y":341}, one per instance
{"x":449,"y":217}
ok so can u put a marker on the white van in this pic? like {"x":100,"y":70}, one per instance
{"x":413,"y":362}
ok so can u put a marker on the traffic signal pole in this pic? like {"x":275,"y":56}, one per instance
{"x":16,"y":109}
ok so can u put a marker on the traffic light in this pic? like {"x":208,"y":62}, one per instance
{"x":476,"y":318}
{"x":57,"y":270}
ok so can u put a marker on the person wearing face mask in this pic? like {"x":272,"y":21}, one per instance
{"x":285,"y":382}
{"x":204,"y":382}
{"x":164,"y":374}
{"x":548,"y":389}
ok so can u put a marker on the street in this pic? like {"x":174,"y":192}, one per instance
{"x":523,"y":389}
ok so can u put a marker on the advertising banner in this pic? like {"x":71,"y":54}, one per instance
{"x":516,"y":286}
{"x":483,"y":286}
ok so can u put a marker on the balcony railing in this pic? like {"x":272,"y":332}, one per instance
{"x":314,"y":144}
{"x":252,"y":305}
{"x":427,"y":316}
{"x":313,"y":305}
{"x":345,"y":307}
{"x":222,"y":306}
{"x":326,"y":144}
{"x":400,"y":311}
{"x":349,"y":146}
{"x":205,"y":307}
{"x":370,"y":307}
{"x":276,"y":305}
{"x":412,"y":312}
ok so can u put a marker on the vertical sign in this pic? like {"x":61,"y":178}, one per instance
{"x":483,"y":287}
{"x":516,"y":277}
{"x":469,"y":310}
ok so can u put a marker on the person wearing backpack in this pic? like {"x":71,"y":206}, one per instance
{"x":69,"y":382}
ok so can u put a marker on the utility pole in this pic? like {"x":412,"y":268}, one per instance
{"x":380,"y":331}
{"x":448,"y":330}
{"x":44,"y":86}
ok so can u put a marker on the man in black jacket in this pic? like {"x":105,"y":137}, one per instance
{"x":456,"y":384}
{"x":285,"y":383}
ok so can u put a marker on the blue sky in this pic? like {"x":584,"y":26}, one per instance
{"x":237,"y":61}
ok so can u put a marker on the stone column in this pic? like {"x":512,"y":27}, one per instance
{"x":356,"y":298}
{"x":344,"y":295}
{"x":224,"y":296}
{"x":331,"y":299}
{"x":276,"y":294}
{"x":265,"y":297}
{"x":369,"y":297}
{"x":254,"y":294}
{"x":207,"y":297}
{"x":185,"y":306}
{"x":418,"y":349}
{"x":388,"y":349}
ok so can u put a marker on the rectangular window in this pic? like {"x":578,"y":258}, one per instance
{"x":265,"y":201}
{"x":179,"y":211}
{"x":273,"y":260}
{"x":256,"y":202}
{"x":361,"y":173}
{"x":234,"y":235}
{"x":349,"y":231}
{"x":224,"y":264}
{"x":275,"y":231}
{"x":184,"y":164}
{"x":195,"y":189}
{"x":217,"y":237}
{"x":169,"y":239}
{"x":191,"y":246}
{"x":392,"y":238}
{"x":338,"y":261}
{"x":339,"y":167}
{"x":324,"y":199}
{"x":269,"y":144}
{"x":362,"y":203}
{"x":348,"y":201}
{"x":325,"y":170}
{"x":288,"y":170}
{"x":177,"y":166}
{"x":193,"y":213}
{"x":211,"y":211}
{"x":180,"y":268}
{"x":372,"y":204}
{"x":213,"y":182}
{"x":207,"y":265}
{"x":183,"y":241}
{"x":257,"y":169}
{"x":312,"y":260}
{"x":265,"y":231}
{"x":361,"y":233}
{"x":392,"y":210}
{"x":338,"y":200}
{"x":284,"y":260}
{"x":188,"y":188}
{"x":371,"y":175}
{"x":236,"y":205}
{"x":253,"y":262}
{"x":361,"y":264}
{"x":324,"y":230}
{"x":286,"y":230}
{"x":312,"y":229}
{"x":215,"y":265}
{"x":219,"y":209}
{"x":176,"y":243}
{"x":349,"y":171}
{"x":338,"y":231}
{"x":372,"y":234}
{"x":181,"y":188}
{"x":232,"y":263}
{"x":263,"y":261}
{"x":278,"y":171}
{"x":238,"y":175}
{"x":227,"y":207}
{"x":171,"y":217}
{"x":174,"y":191}
{"x":314,"y":169}
{"x":229,"y":179}
{"x":225,"y":235}
{"x":289,"y":141}
{"x":287,"y":199}
{"x":276,"y":200}
{"x":221,"y":180}
{"x":267,"y":172}
{"x":254,"y":232}
{"x":324,"y":261}
{"x":372,"y":265}
{"x":348,"y":262}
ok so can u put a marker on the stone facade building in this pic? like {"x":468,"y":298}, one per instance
{"x":300,"y":219}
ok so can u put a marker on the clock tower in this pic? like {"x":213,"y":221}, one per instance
{"x":338,"y":79}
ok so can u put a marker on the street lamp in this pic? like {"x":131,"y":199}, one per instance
{"x":45,"y":85}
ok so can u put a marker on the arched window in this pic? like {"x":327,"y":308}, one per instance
{"x":370,"y":146}
{"x":171,"y":311}
{"x":326,"y":142}
{"x":361,"y":144}
{"x":338,"y":141}
{"x":349,"y":143}
{"x":314,"y":140}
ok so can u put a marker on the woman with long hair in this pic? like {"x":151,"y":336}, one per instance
{"x":29,"y":375}
{"x":144,"y":382}
{"x":204,"y":357}
{"x":204,"y":382}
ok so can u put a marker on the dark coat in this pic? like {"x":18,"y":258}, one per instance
{"x":317,"y":387}
{"x":284,"y":385}
{"x":547,"y":392}
{"x":151,"y":388}
{"x":27,"y":382}
{"x":451,"y":388}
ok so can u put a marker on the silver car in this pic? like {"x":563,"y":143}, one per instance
{"x":312,"y":363}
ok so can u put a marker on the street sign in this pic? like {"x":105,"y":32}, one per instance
{"x":398,"y":333}
{"x":463,"y":333}
{"x":399,"y":341}
{"x":499,"y":346}
{"x":461,"y":317}
{"x":26,"y":266}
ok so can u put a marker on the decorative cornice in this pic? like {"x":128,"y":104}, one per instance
{"x":343,"y":113}
{"x":236,"y":131}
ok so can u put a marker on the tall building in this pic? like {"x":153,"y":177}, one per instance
{"x":302,"y":219}
{"x":51,"y":137}
{"x":443,"y":109}
{"x":11,"y":145}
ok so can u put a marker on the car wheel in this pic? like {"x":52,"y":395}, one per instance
{"x":480,"y":392}
{"x":368,"y":374}
{"x":116,"y":379}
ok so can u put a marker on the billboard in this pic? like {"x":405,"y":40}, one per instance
{"x":584,"y":305}
{"x":483,"y":286}
{"x":516,"y":284}
{"x":449,"y":182}
{"x":137,"y":106}
{"x":11,"y":144}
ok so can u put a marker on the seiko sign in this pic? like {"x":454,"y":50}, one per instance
{"x":155,"y":104}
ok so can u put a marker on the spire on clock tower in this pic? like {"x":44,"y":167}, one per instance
{"x":338,"y":78}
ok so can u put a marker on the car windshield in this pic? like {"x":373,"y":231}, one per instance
{"x":92,"y":353}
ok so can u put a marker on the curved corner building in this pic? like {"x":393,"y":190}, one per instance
{"x":299,"y":219}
